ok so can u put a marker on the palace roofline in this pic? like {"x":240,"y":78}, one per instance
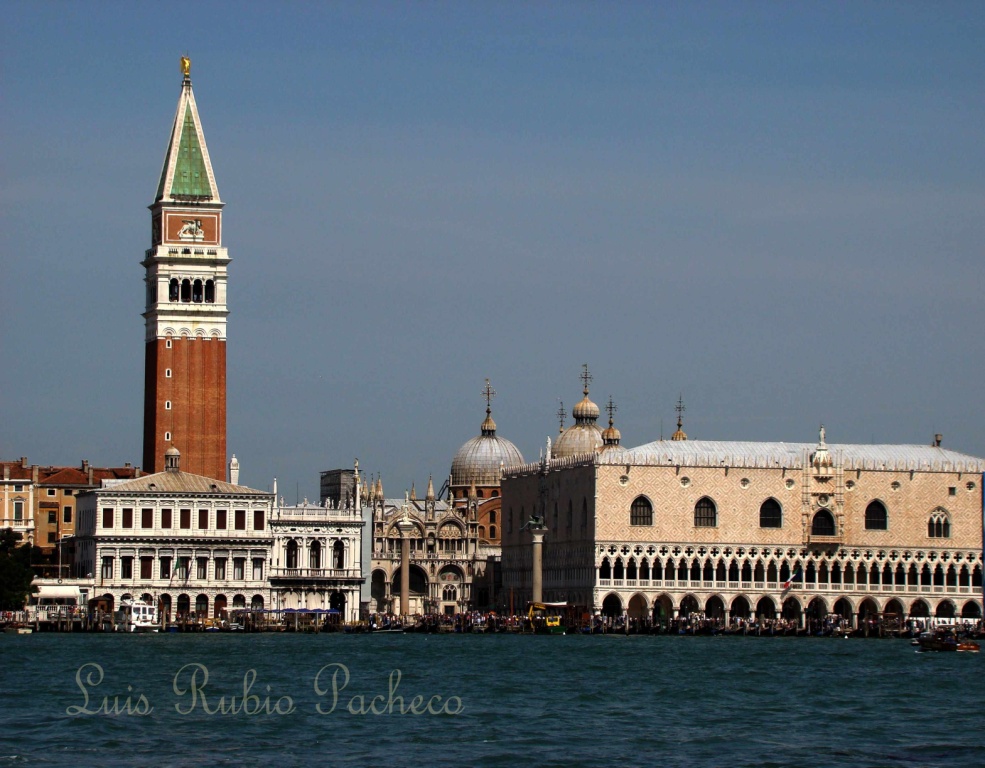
{"x":727,"y":453}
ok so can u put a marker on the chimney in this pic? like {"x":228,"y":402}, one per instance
{"x":85,"y":465}
{"x":23,"y":462}
{"x":937,"y":440}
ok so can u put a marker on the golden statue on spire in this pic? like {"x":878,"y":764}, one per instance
{"x":186,"y":67}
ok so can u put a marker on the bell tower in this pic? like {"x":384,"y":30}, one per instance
{"x":185,"y":319}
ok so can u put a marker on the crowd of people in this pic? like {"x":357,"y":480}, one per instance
{"x":832,"y":625}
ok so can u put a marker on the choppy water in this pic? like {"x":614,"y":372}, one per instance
{"x":532,"y":701}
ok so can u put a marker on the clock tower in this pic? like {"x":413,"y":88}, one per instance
{"x":185,"y":318}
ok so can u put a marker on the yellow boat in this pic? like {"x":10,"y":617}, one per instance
{"x":545,"y":618}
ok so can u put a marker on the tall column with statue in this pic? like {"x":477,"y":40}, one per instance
{"x":405,"y":526}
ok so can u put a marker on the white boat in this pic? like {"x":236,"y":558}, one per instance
{"x":137,"y":617}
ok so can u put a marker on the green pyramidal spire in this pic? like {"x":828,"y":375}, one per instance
{"x":187,"y":172}
{"x":190,"y":176}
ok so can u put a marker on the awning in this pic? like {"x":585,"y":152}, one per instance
{"x":57,"y":590}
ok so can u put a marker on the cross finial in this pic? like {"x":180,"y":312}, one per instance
{"x":489,"y":393}
{"x":680,"y":410}
{"x":561,"y":413}
{"x":611,"y":409}
{"x":586,"y":377}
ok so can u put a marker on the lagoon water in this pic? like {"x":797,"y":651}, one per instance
{"x":532,"y":701}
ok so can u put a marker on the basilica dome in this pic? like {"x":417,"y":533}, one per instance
{"x":584,"y":436}
{"x":479,"y":460}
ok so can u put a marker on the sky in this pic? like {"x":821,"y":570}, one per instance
{"x":774,"y":211}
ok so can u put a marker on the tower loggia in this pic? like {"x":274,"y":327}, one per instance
{"x":186,"y":272}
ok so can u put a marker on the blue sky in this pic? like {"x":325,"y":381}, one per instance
{"x":774,"y":209}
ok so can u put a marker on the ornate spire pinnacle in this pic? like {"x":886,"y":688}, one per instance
{"x":611,"y":409}
{"x":187,"y":173}
{"x":821,"y":457}
{"x":680,"y":435}
{"x":488,"y":426}
{"x":413,"y":492}
{"x":611,"y":436}
{"x":585,"y":411}
{"x":429,"y":496}
{"x":586,"y":378}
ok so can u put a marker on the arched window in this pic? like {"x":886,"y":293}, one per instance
{"x":770,"y":514}
{"x":876,"y":518}
{"x":641,"y":512}
{"x":823,"y":523}
{"x":314,"y":556}
{"x":173,"y":289}
{"x":493,"y":533}
{"x":939,"y":527}
{"x":338,"y":553}
{"x":210,"y":291}
{"x":186,"y":290}
{"x":705,"y":514}
{"x":292,"y":554}
{"x":449,"y":594}
{"x":197,"y":292}
{"x":605,"y":570}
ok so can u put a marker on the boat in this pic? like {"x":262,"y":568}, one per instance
{"x":545,"y":619}
{"x":18,"y":629}
{"x":946,"y":641}
{"x":137,"y":617}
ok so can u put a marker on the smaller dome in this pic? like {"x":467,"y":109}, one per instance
{"x":611,"y":435}
{"x":488,"y":426}
{"x":172,"y":460}
{"x":585,"y":410}
{"x":577,"y":440}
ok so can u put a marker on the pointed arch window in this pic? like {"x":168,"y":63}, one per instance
{"x":705,"y":513}
{"x":876,"y":517}
{"x":770,"y":514}
{"x":641,"y":511}
{"x":823,"y":523}
{"x":939,"y":526}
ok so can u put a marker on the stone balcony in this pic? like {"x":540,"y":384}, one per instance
{"x":315,"y":574}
